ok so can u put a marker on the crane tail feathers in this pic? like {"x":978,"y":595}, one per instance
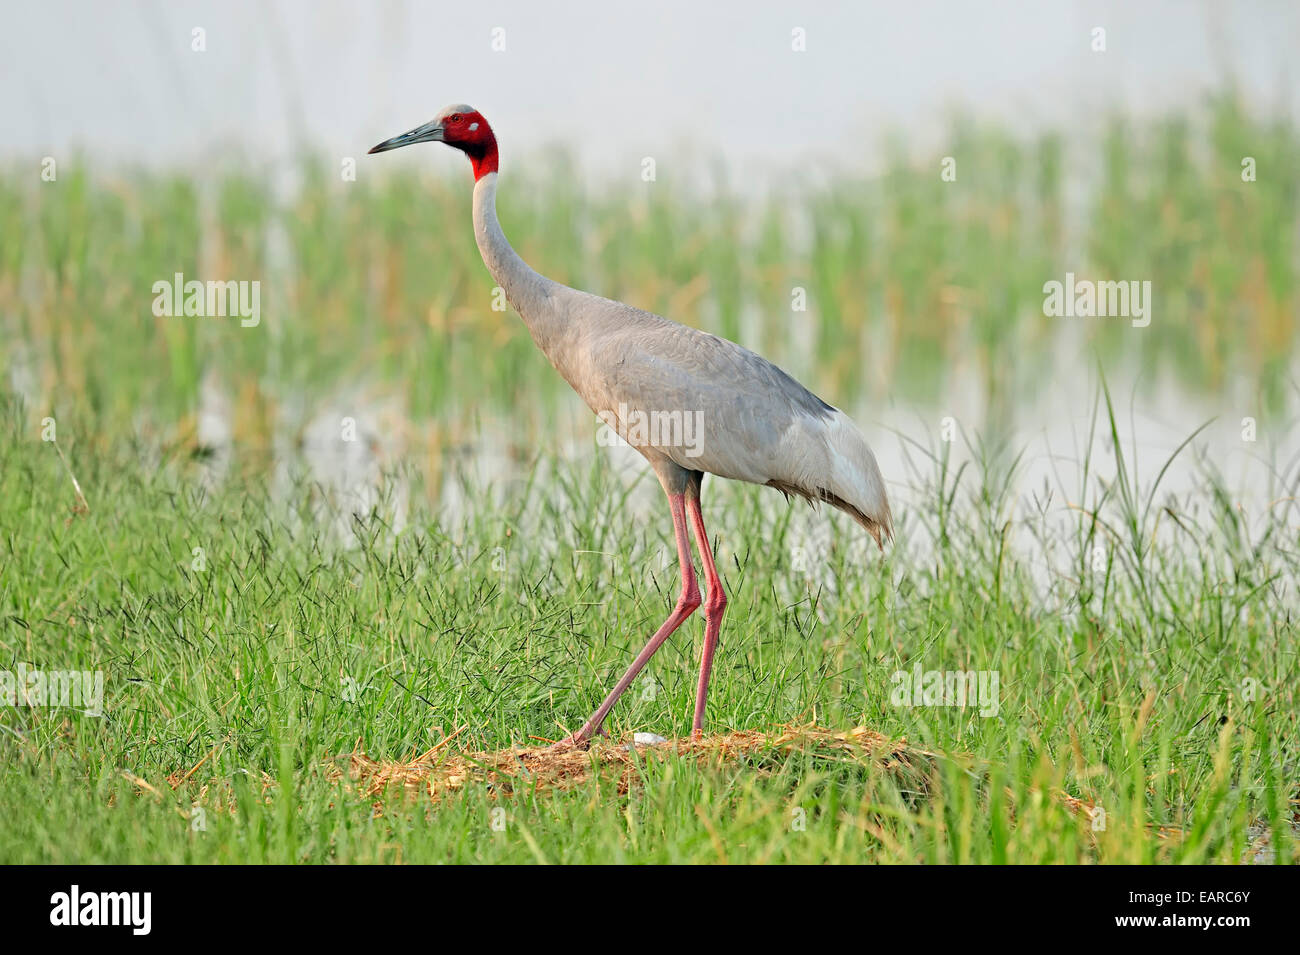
{"x":880,"y":530}
{"x":831,"y":461}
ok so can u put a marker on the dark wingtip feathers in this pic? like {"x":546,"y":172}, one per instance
{"x":880,"y":531}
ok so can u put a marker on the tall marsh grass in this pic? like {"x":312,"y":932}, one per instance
{"x":376,"y":284}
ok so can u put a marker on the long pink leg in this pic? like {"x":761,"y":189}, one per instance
{"x":686,"y":605}
{"x":715,"y":603}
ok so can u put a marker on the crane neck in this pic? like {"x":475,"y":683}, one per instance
{"x":532,"y":295}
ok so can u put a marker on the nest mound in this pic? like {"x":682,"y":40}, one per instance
{"x":441,"y":771}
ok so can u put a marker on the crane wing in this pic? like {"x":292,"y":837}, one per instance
{"x":711,"y":405}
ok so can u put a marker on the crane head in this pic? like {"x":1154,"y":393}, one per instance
{"x":461,"y":127}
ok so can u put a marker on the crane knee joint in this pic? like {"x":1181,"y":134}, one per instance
{"x":715,"y":603}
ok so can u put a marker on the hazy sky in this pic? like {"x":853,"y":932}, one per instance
{"x":614,"y":81}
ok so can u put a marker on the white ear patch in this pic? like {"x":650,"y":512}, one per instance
{"x":473,"y":126}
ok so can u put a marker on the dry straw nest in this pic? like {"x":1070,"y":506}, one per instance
{"x":441,"y":770}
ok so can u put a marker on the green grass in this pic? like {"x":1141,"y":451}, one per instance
{"x":1121,"y":679}
{"x":1144,"y":642}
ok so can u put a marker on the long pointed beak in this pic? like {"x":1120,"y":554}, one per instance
{"x":428,"y":133}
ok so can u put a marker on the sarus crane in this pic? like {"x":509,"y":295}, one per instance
{"x":756,"y":423}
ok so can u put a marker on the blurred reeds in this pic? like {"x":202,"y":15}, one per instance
{"x":376,"y":284}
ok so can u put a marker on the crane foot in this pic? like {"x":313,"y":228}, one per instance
{"x":576,"y":741}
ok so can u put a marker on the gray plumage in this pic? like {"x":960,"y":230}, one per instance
{"x":758,"y":423}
